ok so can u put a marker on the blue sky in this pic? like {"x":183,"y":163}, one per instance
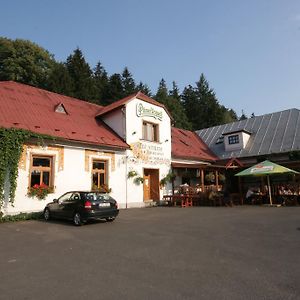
{"x":248,"y":50}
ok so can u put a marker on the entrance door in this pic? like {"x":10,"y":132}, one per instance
{"x":147,"y":187}
{"x":151,"y":184}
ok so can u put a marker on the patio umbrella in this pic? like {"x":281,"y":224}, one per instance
{"x":266,"y":168}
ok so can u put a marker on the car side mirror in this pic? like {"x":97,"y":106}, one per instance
{"x":55,"y":200}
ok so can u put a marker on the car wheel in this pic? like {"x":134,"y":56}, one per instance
{"x":47,"y":214}
{"x":77,"y":219}
{"x":110,"y":219}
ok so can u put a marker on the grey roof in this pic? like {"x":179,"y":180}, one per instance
{"x":271,"y":133}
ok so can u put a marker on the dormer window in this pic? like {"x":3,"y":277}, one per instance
{"x":220,"y":140}
{"x":59,"y":108}
{"x":236,"y":140}
{"x":233,"y":139}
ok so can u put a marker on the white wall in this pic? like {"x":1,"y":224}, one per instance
{"x":145,"y":154}
{"x":70,"y":167}
{"x":243,"y":139}
{"x":116,"y":121}
{"x":73,"y":176}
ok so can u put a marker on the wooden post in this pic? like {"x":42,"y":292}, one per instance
{"x":217,"y":179}
{"x":202,"y":180}
{"x":172,"y":171}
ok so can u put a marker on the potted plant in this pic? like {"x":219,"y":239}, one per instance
{"x":138,"y":180}
{"x":102,"y":189}
{"x":222,"y":178}
{"x":132,"y":174}
{"x":40,"y":191}
{"x":168,"y":178}
{"x":210,"y":177}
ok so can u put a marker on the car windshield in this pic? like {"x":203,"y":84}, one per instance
{"x":94,"y":196}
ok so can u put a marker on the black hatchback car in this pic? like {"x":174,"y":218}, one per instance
{"x":81,"y":207}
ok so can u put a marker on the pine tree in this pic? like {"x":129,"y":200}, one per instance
{"x":144,"y":88}
{"x":128,"y":82}
{"x":243,"y":116}
{"x":191,"y":106}
{"x":60,"y":81}
{"x":176,"y":109}
{"x":162,"y":92}
{"x":81,"y":74}
{"x":202,"y":106}
{"x":171,"y":100}
{"x":100,"y":79}
{"x":114,"y":90}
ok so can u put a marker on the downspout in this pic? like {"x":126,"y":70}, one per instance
{"x":126,"y":157}
{"x":126,"y":188}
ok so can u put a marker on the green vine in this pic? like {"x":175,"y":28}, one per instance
{"x":11,"y":147}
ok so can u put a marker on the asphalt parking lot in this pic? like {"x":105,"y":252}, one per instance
{"x":156,"y":253}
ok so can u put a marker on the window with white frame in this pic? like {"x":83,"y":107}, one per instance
{"x":150,"y":131}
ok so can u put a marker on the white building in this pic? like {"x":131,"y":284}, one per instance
{"x":125,"y":146}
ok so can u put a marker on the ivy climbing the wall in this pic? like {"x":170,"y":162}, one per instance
{"x":11,"y":146}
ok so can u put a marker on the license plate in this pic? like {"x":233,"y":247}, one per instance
{"x":104,"y":204}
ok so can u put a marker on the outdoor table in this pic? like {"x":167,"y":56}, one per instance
{"x":184,"y":200}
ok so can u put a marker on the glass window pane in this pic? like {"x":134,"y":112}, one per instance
{"x":155,"y":128}
{"x":40,"y":161}
{"x":102,"y":181}
{"x":65,"y":197}
{"x":98,"y":165}
{"x":46,"y":178}
{"x":95,"y":180}
{"x":35,"y":178}
{"x":144,"y":131}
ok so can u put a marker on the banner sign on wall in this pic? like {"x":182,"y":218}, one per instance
{"x":142,"y":111}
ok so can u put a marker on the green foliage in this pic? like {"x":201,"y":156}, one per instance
{"x":81,"y":75}
{"x":210,"y":177}
{"x":132,"y":174}
{"x":144,"y":88}
{"x":115,"y":89}
{"x":60,"y":81}
{"x":243,"y":116}
{"x":40,"y":191}
{"x":138,"y":180}
{"x":102,"y":189}
{"x":100,"y":83}
{"x":168,"y":178}
{"x":222,"y":178}
{"x":24,"y":61}
{"x":11,"y":146}
{"x":172,"y":102}
{"x":128,"y":83}
{"x":21,"y":217}
{"x":202,"y":106}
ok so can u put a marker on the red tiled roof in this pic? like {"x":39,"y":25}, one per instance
{"x":187,"y":145}
{"x":27,"y":107}
{"x":138,"y":95}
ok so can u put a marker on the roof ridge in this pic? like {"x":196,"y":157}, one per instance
{"x":238,"y":121}
{"x":139,"y":95}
